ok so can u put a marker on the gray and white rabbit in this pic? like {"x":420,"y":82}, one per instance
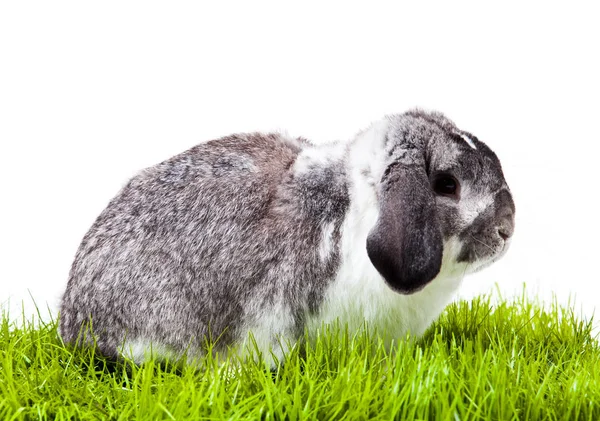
{"x":273,"y":235}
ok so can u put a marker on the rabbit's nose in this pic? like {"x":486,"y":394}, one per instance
{"x":506,"y":227}
{"x":504,"y":233}
{"x":505,"y":214}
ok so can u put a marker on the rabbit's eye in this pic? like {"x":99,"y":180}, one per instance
{"x":446,"y":185}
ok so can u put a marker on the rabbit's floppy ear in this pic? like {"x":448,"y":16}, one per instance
{"x":405,"y":245}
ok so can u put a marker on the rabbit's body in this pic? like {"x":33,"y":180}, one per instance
{"x":266,"y":234}
{"x":214,"y":243}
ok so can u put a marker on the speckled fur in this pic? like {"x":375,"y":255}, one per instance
{"x":268,"y":234}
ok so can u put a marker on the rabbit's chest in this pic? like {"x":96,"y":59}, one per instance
{"x":358,"y":294}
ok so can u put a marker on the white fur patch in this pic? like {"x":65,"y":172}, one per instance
{"x":269,"y":334}
{"x":472,"y":205}
{"x":468,"y":140}
{"x":141,"y":350}
{"x":321,"y":156}
{"x":326,"y":245}
{"x":367,"y":155}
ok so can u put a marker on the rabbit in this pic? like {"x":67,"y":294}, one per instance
{"x":257,"y":238}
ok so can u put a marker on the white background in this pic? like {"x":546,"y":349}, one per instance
{"x":92,"y":93}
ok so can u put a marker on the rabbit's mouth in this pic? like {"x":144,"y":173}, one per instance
{"x":484,"y":254}
{"x":480,"y":251}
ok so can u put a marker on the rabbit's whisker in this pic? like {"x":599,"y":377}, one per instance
{"x":482,"y":243}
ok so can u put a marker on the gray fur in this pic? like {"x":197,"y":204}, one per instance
{"x":201,"y":245}
{"x":187,"y":245}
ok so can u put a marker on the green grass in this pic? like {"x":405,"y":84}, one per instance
{"x":506,"y":361}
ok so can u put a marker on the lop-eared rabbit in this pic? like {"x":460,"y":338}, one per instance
{"x":271,"y":235}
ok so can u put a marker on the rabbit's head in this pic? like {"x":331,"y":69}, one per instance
{"x":443,"y":201}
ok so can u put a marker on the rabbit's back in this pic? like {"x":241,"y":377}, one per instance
{"x":204,"y":245}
